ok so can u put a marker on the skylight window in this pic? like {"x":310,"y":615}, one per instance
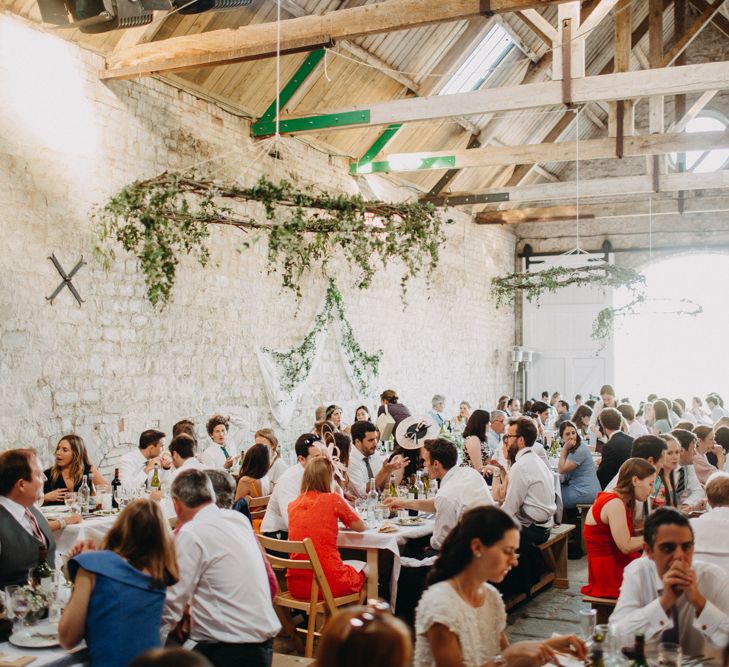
{"x":483,"y":60}
{"x":702,"y":162}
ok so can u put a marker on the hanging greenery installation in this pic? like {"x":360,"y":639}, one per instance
{"x":164,"y":218}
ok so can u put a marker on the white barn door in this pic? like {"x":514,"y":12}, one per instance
{"x":558,"y":329}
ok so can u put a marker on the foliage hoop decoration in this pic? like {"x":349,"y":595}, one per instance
{"x":164,"y":218}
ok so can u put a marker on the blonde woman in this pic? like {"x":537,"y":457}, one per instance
{"x":119,"y":591}
{"x":266,"y":436}
{"x":69,"y":467}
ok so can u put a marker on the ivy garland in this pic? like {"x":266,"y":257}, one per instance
{"x":533,"y":285}
{"x":161,"y":219}
{"x":297,"y":362}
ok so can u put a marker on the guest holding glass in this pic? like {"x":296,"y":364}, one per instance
{"x":67,"y":472}
{"x":578,"y":477}
{"x":461,"y":618}
{"x":253,"y":482}
{"x":316,"y":514}
{"x":609,"y":530}
{"x":266,"y":436}
{"x":119,"y":591}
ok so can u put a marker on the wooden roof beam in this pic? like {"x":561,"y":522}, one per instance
{"x":250,"y":42}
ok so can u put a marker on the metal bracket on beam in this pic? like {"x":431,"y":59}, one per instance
{"x":620,"y":129}
{"x":566,"y":48}
{"x":485,"y":8}
{"x":463,"y":200}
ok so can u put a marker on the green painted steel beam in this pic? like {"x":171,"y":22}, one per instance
{"x":379,"y":143}
{"x":322,"y":122}
{"x":294,"y":83}
{"x":416,"y":164}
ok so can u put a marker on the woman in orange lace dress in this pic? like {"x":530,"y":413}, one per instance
{"x":316,"y":514}
{"x":608,"y":529}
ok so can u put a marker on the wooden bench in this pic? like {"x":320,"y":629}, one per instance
{"x":554,"y":552}
{"x":603,"y":606}
{"x":582,"y":510}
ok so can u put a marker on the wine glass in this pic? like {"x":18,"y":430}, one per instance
{"x":588,"y":618}
{"x":18,"y":601}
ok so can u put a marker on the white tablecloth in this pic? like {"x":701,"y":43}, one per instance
{"x":372,"y":539}
{"x":44,"y":657}
{"x":88,"y":529}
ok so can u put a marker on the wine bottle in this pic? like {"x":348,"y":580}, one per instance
{"x":41,"y":575}
{"x":639,"y":658}
{"x":93,"y":499}
{"x":412,"y":495}
{"x":372,"y":499}
{"x":115,"y":486}
{"x":392,"y":489}
{"x":83,"y":495}
{"x":155,"y":484}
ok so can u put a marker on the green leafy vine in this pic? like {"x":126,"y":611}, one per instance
{"x":161,"y":219}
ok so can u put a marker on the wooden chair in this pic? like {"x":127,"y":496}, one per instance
{"x":319,"y":611}
{"x":258,"y":506}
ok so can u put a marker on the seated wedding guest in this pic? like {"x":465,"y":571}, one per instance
{"x":577,"y":469}
{"x":689,"y":492}
{"x":438,"y":410}
{"x":711,"y":530}
{"x":497,"y":422}
{"x":68,"y":470}
{"x":365,"y":636}
{"x":530,"y":500}
{"x":461,"y":419}
{"x":502,"y":402}
{"x":170,"y":657}
{"x":333,"y":414}
{"x":669,"y":596}
{"x":459,"y":489}
{"x":253,"y":482}
{"x":541,"y":409}
{"x":616,"y":450}
{"x":276,"y":520}
{"x":721,"y":436}
{"x":24,"y":531}
{"x":362,"y":414}
{"x":224,"y":487}
{"x":664,"y":488}
{"x":607,"y":400}
{"x":136,"y":467}
{"x":186,"y":426}
{"x":221,"y":453}
{"x":319,"y":413}
{"x":223,"y":579}
{"x":365,"y":462}
{"x":635,"y":428}
{"x":706,"y":443}
{"x":343,"y":442}
{"x":475,"y":448}
{"x":461,"y":618}
{"x":581,"y":418}
{"x":563,"y":411}
{"x":609,"y":530}
{"x":119,"y":590}
{"x":182,"y":451}
{"x":316,"y":514}
{"x":715,"y":406}
{"x":513,"y":406}
{"x":663,"y":423}
{"x":697,"y":412}
{"x":266,"y":436}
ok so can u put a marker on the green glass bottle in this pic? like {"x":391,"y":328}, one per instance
{"x":639,"y":659}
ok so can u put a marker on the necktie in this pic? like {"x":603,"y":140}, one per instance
{"x":37,"y":533}
{"x":225,"y":452}
{"x":370,"y":474}
{"x":681,"y":483}
{"x":672,"y":634}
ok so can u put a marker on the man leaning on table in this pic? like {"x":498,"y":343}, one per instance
{"x":669,"y":596}
{"x":23,"y":529}
{"x":137,"y":466}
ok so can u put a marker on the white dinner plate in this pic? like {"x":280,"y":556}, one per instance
{"x":43,"y":635}
{"x":410,"y":521}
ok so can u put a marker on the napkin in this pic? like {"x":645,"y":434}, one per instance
{"x":388,"y":528}
{"x":9,"y":661}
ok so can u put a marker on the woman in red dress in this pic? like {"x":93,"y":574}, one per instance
{"x":316,"y":514}
{"x":608,"y":529}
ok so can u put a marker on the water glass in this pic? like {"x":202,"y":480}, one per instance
{"x":588,"y":618}
{"x":18,"y":603}
{"x":71,"y":501}
{"x":381,"y":513}
{"x":360,"y":504}
{"x":669,"y":654}
{"x":104,"y":495}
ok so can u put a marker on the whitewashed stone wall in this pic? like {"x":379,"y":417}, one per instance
{"x":115,"y":366}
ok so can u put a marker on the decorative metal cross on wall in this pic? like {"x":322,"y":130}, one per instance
{"x":66,"y":279}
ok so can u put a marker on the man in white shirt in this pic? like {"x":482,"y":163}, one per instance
{"x":690,"y":493}
{"x":137,"y":466}
{"x":715,"y":408}
{"x":222,"y":578}
{"x":460,"y":488}
{"x":493,"y":435}
{"x":23,"y":529}
{"x":366,"y":463}
{"x":711,"y":530}
{"x":668,"y":596}
{"x":182,"y":451}
{"x":635,"y":428}
{"x":530,"y":500}
{"x":221,"y":454}
{"x":276,"y":520}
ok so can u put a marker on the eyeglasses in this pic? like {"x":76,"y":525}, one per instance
{"x":506,"y":436}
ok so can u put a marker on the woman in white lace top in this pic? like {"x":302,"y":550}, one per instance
{"x":460,"y":620}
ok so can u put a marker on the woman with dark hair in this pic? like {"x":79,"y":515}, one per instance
{"x":662,"y":422}
{"x":390,"y":404}
{"x":581,"y":419}
{"x":68,"y":470}
{"x":608,"y":528}
{"x":475,"y":448}
{"x":705,"y":447}
{"x":253,"y":482}
{"x":461,"y":618}
{"x":119,"y":591}
{"x":576,"y":467}
{"x":362,"y":414}
{"x":266,"y":436}
{"x":333,"y":414}
{"x":664,"y":489}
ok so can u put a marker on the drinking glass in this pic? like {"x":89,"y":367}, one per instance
{"x":71,"y":501}
{"x":103,"y":493}
{"x":360,"y":504}
{"x":669,"y":654}
{"x":588,"y":618}
{"x":18,"y":599}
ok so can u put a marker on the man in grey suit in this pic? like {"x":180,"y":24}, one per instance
{"x":24,"y":532}
{"x":616,"y":450}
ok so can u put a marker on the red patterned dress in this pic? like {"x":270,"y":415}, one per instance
{"x":317,"y":515}
{"x":605,"y":562}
